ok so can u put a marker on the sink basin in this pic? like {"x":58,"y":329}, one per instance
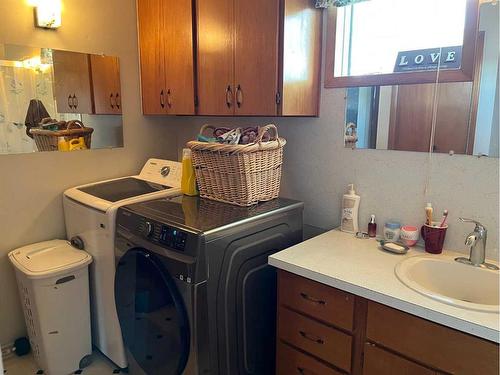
{"x":451,"y":282}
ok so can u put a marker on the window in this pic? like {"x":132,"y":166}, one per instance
{"x":400,"y":41}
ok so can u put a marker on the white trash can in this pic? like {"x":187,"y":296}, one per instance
{"x":53,"y":282}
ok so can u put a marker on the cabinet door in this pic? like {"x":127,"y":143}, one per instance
{"x":215,"y":57}
{"x":378,"y":361}
{"x":256,"y":56}
{"x":177,"y":29}
{"x":301,"y":66}
{"x":152,"y":55}
{"x":72,"y":82}
{"x":106,"y":84}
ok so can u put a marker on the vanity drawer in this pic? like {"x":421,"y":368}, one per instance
{"x":293,"y":362}
{"x":379,"y":361}
{"x":322,"y":341}
{"x":435,"y":345}
{"x":320,"y":301}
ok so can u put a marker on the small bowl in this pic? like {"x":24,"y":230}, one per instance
{"x":409,"y":235}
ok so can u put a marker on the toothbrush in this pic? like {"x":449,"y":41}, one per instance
{"x":445,"y":216}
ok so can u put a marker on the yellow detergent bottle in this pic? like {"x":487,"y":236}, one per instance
{"x":188,"y":182}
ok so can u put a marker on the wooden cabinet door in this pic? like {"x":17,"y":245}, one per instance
{"x":378,"y":361}
{"x":177,"y":29}
{"x":256,"y":56}
{"x":301,"y":58}
{"x":152,"y":56}
{"x":106,"y":84}
{"x":215,"y":57}
{"x":72,"y":82}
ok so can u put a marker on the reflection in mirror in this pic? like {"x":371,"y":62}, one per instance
{"x":382,"y":36}
{"x":54,"y":100}
{"x":465,"y":113}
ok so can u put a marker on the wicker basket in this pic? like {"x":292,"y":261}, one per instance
{"x":239,"y":174}
{"x":46,"y":140}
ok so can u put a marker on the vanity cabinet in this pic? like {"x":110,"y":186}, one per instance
{"x":258,"y":57}
{"x":323,"y":330}
{"x":72,"y":86}
{"x":106,"y":88}
{"x":166,"y":56}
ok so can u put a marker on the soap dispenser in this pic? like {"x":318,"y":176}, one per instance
{"x":350,"y":208}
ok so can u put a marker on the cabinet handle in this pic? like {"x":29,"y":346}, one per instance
{"x":162,"y":101}
{"x":169,"y":99}
{"x":239,"y":96}
{"x":75,"y":101}
{"x":312,"y":299}
{"x":111,"y":101}
{"x":313,"y":338}
{"x":70,"y":102}
{"x":229,"y":96}
{"x":118,"y":100}
{"x":303,"y":371}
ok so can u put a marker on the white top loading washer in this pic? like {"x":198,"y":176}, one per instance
{"x":90,"y":212}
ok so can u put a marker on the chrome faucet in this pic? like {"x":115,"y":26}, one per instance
{"x":476,"y":243}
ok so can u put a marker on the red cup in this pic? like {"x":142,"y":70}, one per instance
{"x":434,"y":237}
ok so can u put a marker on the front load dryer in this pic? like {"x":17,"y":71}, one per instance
{"x":90,"y":212}
{"x":194,"y":292}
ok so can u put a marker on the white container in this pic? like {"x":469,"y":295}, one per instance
{"x":392,"y":231}
{"x":53,"y":283}
{"x":350,"y":209}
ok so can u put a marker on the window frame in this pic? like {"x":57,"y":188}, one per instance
{"x":464,"y":74}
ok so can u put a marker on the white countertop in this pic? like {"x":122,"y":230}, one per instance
{"x":359,"y":267}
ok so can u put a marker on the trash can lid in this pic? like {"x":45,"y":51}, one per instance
{"x":45,"y":259}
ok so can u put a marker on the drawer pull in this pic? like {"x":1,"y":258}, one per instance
{"x":303,"y":371}
{"x":312,"y":299}
{"x":313,"y":338}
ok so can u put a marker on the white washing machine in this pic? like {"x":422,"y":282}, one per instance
{"x":90,"y":212}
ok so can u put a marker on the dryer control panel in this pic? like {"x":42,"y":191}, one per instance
{"x":162,"y":234}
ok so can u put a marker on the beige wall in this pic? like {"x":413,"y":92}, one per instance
{"x":392,"y":184}
{"x":31,"y":184}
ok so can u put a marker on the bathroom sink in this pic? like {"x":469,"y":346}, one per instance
{"x":451,"y":282}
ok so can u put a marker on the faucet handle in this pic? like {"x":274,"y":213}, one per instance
{"x":479,"y":226}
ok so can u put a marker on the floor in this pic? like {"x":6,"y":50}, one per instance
{"x":26,"y":365}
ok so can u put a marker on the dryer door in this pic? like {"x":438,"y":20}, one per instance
{"x":152,"y":315}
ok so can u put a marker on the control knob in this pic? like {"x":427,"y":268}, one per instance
{"x":149,"y":229}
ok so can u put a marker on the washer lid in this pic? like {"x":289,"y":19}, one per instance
{"x":48,"y":258}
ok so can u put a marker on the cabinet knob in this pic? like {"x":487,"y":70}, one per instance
{"x":311,"y":337}
{"x":162,"y":99}
{"x":75,"y":101}
{"x":70,"y":102}
{"x":312,"y":299}
{"x":111,"y":101}
{"x":169,"y":98}
{"x":118,"y":100}
{"x":229,"y":96}
{"x":239,"y":96}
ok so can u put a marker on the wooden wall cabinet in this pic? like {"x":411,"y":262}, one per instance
{"x":322,"y":330}
{"x":166,"y":54}
{"x":106,"y":88}
{"x":72,"y":86}
{"x":258,"y":58}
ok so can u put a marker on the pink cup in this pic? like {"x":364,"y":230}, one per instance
{"x":409,"y":235}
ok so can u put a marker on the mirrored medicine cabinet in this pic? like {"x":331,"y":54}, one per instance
{"x":419,"y":76}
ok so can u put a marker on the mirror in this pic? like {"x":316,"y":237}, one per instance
{"x":443,"y":117}
{"x":382,"y":42}
{"x":52,"y":100}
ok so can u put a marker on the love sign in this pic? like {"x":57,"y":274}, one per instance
{"x":429,"y":59}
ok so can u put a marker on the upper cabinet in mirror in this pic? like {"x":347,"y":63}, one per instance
{"x":53,"y":100}
{"x":387,"y":42}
